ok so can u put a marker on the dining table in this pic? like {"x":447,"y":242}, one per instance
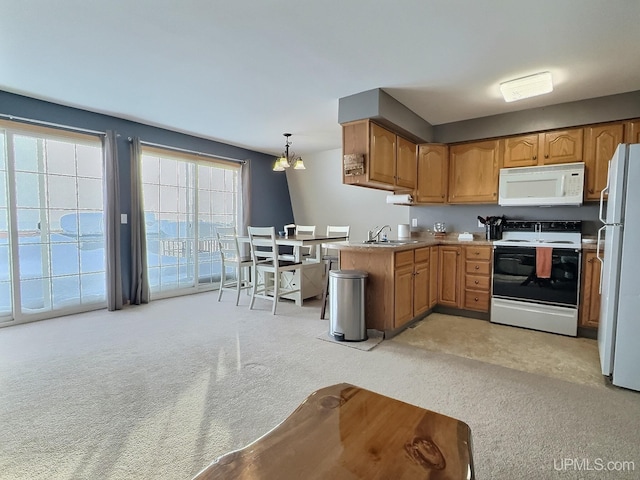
{"x":312,"y":269}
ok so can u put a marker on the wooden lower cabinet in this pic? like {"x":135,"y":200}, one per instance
{"x":411,"y":284}
{"x":465,"y":277}
{"x":590,"y":296}
{"x":398,"y":284}
{"x":433,"y":276}
{"x":403,"y":288}
{"x":450,"y":269}
{"x":477,"y":278}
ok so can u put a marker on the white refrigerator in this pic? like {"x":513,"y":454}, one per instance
{"x":619,"y":329}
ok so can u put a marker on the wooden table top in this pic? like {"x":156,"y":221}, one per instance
{"x":347,"y":432}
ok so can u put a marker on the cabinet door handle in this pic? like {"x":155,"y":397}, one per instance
{"x":477,"y":267}
{"x":476,"y":282}
{"x":477,"y":299}
{"x":546,"y":156}
{"x":535,"y":157}
{"x":591,"y":190}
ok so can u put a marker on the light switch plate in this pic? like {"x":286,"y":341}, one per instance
{"x":414,"y":222}
{"x":123,"y":218}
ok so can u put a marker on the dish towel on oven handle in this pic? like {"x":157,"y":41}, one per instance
{"x":543,"y":262}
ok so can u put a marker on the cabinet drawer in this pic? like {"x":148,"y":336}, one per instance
{"x":478,"y":253}
{"x":422,"y":254}
{"x":475,"y":300}
{"x":476,"y":282}
{"x":478,"y":267}
{"x":404,"y":258}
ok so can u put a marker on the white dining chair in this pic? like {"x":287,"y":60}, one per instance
{"x":308,"y":252}
{"x":231,"y":258}
{"x":330,"y":257}
{"x":267,"y":268}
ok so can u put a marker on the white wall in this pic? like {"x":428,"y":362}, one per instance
{"x":319,"y":198}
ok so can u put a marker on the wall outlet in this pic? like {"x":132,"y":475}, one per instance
{"x":414,"y":222}
{"x":480,"y":224}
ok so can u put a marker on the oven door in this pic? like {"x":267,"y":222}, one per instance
{"x":514,"y":276}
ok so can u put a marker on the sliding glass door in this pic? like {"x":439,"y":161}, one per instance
{"x":185,"y":198}
{"x":51,"y":228}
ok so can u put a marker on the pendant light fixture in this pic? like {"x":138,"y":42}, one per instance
{"x":287,"y":159}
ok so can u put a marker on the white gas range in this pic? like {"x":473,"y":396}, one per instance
{"x":536,"y":275}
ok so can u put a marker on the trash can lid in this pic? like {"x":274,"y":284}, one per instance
{"x":348,"y":273}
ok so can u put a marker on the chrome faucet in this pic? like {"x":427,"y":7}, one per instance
{"x":371,"y":236}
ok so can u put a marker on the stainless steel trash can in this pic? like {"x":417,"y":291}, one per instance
{"x":347,"y":305}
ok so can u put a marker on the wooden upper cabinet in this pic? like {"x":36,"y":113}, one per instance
{"x":600,"y":143}
{"x":562,"y":146}
{"x":632,"y":131}
{"x":382,"y":156}
{"x":433,"y":179}
{"x":473,"y":172}
{"x":521,"y":151}
{"x":546,"y":148}
{"x":389,"y":159}
{"x":405,"y":163}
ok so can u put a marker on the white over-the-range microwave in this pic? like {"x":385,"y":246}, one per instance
{"x":542,"y":186}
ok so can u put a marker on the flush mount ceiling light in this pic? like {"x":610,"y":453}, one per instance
{"x":286,"y":160}
{"x":526,"y":87}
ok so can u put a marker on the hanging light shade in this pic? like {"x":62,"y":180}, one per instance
{"x":287,"y":159}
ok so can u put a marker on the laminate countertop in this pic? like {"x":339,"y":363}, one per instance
{"x":416,"y":241}
{"x":427,"y":240}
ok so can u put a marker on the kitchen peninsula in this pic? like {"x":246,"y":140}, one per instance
{"x":408,"y":279}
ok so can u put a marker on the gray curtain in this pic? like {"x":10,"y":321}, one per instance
{"x":112,"y":222}
{"x":245,"y":188}
{"x":139,"y":276}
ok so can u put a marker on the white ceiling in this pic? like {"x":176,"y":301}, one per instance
{"x":243,"y":72}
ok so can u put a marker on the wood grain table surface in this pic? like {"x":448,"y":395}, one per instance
{"x":346,"y":432}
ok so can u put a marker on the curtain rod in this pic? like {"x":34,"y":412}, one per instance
{"x":50,"y":124}
{"x":193,"y":152}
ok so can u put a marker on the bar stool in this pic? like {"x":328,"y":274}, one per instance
{"x":329,"y":258}
{"x":231,"y":257}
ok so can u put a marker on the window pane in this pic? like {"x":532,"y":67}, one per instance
{"x":66,"y":291}
{"x":61,"y":157}
{"x":25,"y":153}
{"x":57,"y":221}
{"x":174,"y":254}
{"x":89,"y":160}
{"x":90,"y":193}
{"x":62,"y":192}
{"x":29,"y":189}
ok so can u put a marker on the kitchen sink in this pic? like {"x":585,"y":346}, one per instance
{"x":390,"y":242}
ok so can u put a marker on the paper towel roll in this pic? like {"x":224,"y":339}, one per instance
{"x":400,"y":199}
{"x":403,"y":230}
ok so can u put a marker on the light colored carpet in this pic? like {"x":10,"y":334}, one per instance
{"x":567,"y":358}
{"x":161,"y":390}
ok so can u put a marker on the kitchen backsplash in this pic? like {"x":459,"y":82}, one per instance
{"x":464,"y":218}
